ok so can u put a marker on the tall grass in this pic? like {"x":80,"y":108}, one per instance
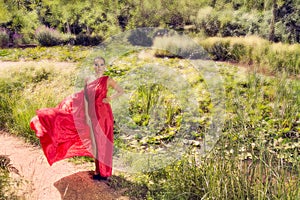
{"x":253,"y":50}
{"x":177,"y":46}
{"x":23,"y":109}
{"x":149,"y":96}
{"x":258,"y":155}
{"x":223,"y":176}
{"x":28,"y":88}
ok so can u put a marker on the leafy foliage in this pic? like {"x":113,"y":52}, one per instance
{"x":275,"y":20}
{"x":87,"y":40}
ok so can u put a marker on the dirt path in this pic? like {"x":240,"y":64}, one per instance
{"x":63,"y":180}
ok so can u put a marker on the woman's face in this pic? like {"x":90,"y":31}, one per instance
{"x":99,"y":66}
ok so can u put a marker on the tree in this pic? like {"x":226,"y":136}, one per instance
{"x":272,"y":24}
{"x":5,"y":15}
{"x":18,"y":17}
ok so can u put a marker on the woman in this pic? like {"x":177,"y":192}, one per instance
{"x":69,"y":129}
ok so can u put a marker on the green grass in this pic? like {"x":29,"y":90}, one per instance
{"x":257,"y":156}
{"x":223,"y":175}
{"x":58,"y":53}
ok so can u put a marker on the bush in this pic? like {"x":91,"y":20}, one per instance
{"x":48,"y":36}
{"x":225,"y":50}
{"x":254,"y":50}
{"x":178,"y":46}
{"x":87,"y":40}
{"x":4,"y":38}
{"x":232,"y":29}
{"x":139,"y":38}
{"x":207,"y":20}
{"x":17,"y":39}
{"x":220,"y":51}
{"x":283,"y":57}
{"x":28,"y":87}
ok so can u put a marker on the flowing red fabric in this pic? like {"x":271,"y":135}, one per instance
{"x":64,"y":133}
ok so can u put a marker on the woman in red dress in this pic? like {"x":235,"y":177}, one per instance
{"x":81,"y":125}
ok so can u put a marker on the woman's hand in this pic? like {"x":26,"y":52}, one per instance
{"x":106,"y":100}
{"x":116,"y":87}
{"x":86,"y":80}
{"x":119,"y":90}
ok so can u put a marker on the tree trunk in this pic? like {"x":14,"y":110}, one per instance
{"x":88,"y":31}
{"x":273,"y":20}
{"x":68,"y":28}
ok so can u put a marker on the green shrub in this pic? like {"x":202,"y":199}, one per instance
{"x":48,"y":36}
{"x":232,"y":29}
{"x":139,"y":38}
{"x":4,"y":38}
{"x":87,"y":40}
{"x":254,"y":50}
{"x":207,"y":20}
{"x":22,"y":112}
{"x":14,"y":107}
{"x":220,"y":51}
{"x":225,"y":51}
{"x":237,"y":51}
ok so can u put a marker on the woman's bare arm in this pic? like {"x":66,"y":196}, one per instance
{"x":119,"y":90}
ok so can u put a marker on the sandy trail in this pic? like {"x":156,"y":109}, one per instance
{"x":62,"y":180}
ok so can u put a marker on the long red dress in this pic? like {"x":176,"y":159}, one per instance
{"x":64,"y":132}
